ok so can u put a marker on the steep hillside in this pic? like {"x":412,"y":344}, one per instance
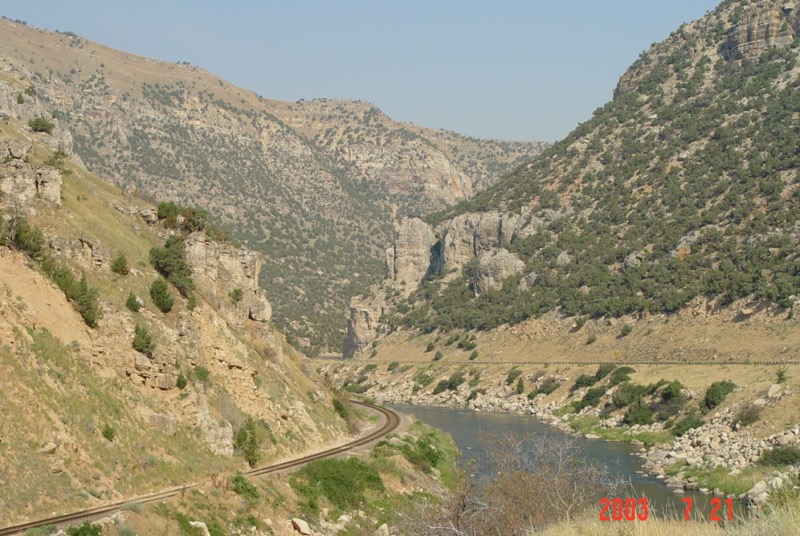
{"x":313,"y":185}
{"x":681,"y":190}
{"x":106,"y":392}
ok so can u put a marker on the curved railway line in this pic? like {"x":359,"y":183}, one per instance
{"x":392,"y":421}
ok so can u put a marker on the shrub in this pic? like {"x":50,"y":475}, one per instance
{"x":627,"y":393}
{"x":392,"y":366}
{"x":779,"y":456}
{"x":340,"y":408}
{"x":191,"y":303}
{"x":590,"y":399}
{"x":430,"y":347}
{"x":604,"y":370}
{"x":86,"y":304}
{"x":620,"y":375}
{"x":241,"y":486}
{"x":520,"y":386}
{"x":580,"y":322}
{"x":202,"y":373}
{"x":592,"y":338}
{"x":748,"y":414}
{"x":40,"y":124}
{"x":513,"y":374}
{"x":342,"y":482}
{"x":450,"y":384}
{"x":109,"y":432}
{"x":236,"y":295}
{"x":473,"y":356}
{"x":159,"y":292}
{"x":781,"y":374}
{"x":692,"y":420}
{"x":248,"y":441}
{"x":120,"y":265}
{"x":28,"y":238}
{"x":87,"y":529}
{"x":547,"y":386}
{"x":626,"y":330}
{"x":672,"y":391}
{"x":132,"y":302}
{"x":438,"y":355}
{"x":584,"y":380}
{"x":143,"y":341}
{"x":170,"y":262}
{"x":638,"y":413}
{"x":167,"y":209}
{"x":716,"y":393}
{"x":181,"y":382}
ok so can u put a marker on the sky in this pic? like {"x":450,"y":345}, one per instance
{"x":502,"y":69}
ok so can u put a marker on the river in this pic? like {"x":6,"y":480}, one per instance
{"x":465,"y":426}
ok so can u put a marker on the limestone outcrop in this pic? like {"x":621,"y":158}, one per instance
{"x":411,"y":256}
{"x":494,"y":267}
{"x":227,"y":276}
{"x":21,"y":185}
{"x":759,"y":32}
{"x":363,"y":324}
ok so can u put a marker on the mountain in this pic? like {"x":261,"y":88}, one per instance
{"x":682,"y":192}
{"x":314,"y":185}
{"x":105,"y":391}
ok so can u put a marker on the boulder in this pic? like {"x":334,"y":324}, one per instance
{"x":494,"y":267}
{"x":301,"y":526}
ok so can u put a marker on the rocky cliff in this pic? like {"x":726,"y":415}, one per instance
{"x":314,"y":185}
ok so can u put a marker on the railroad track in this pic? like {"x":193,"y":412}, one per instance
{"x":392,"y":421}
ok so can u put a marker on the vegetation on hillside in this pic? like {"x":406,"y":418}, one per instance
{"x":684,"y":186}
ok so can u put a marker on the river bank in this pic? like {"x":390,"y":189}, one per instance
{"x":719,"y":456}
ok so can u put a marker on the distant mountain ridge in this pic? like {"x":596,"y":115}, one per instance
{"x":314,"y":185}
{"x":683,"y":187}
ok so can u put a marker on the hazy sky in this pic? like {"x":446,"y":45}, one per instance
{"x":516,"y":70}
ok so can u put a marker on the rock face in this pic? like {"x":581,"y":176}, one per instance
{"x":759,"y":32}
{"x":494,"y":267}
{"x":21,"y":184}
{"x":363,"y":324}
{"x":410,"y":258}
{"x":469,"y":235}
{"x":224,"y":273}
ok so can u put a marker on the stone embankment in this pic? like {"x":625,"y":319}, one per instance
{"x":719,"y":442}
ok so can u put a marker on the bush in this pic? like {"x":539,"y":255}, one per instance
{"x":340,"y":408}
{"x":748,"y":414}
{"x":627,"y":393}
{"x":241,"y":486}
{"x":620,"y":375}
{"x":120,"y":265}
{"x":202,"y":373}
{"x":87,"y":529}
{"x":716,"y":393}
{"x":451,"y":384}
{"x":781,"y":374}
{"x":191,"y":303}
{"x":626,"y":330}
{"x":392,"y":366}
{"x":430,"y":347}
{"x":673,"y":391}
{"x":132,"y":303}
{"x":592,"y":338}
{"x":143,"y":341}
{"x":248,"y":441}
{"x":584,"y":380}
{"x":109,"y":432}
{"x":236,"y":295}
{"x":780,"y":456}
{"x":159,"y":292}
{"x":170,"y":262}
{"x":167,"y":209}
{"x":604,"y":370}
{"x":473,"y":356}
{"x":520,"y":386}
{"x":438,"y":355}
{"x":513,"y":374}
{"x":86,"y":304}
{"x":692,"y":420}
{"x":40,"y":124}
{"x":181,"y":382}
{"x":342,"y":482}
{"x":28,"y":238}
{"x":638,"y":413}
{"x":547,"y":386}
{"x":590,"y":399}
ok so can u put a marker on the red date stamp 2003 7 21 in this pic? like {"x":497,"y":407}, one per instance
{"x":631,"y":509}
